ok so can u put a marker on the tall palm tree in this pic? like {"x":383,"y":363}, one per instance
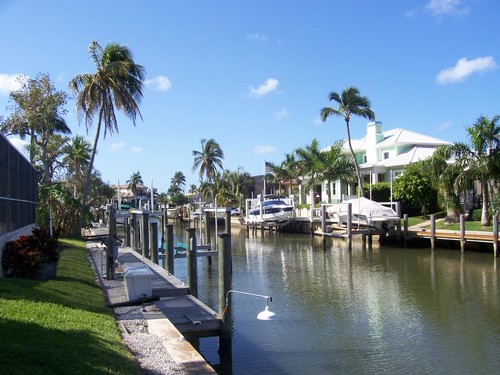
{"x":480,"y":159}
{"x":208,"y":159}
{"x":134,"y":182}
{"x":117,"y":83}
{"x":349,"y":103}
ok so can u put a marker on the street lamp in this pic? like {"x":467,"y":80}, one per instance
{"x":263,"y":315}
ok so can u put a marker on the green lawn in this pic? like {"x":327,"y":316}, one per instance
{"x":60,"y":326}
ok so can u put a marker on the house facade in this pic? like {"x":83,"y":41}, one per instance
{"x":381,"y":156}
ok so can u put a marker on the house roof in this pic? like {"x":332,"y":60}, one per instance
{"x":399,"y":137}
{"x":413,"y":155}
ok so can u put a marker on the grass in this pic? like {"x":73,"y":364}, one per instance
{"x":60,"y":326}
{"x":440,"y":224}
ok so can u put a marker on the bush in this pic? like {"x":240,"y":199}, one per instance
{"x":23,"y":257}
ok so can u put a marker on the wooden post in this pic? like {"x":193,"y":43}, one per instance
{"x":462,"y":233}
{"x":145,"y":234}
{"x":169,"y":249}
{"x":154,"y":241}
{"x":228,"y":221}
{"x":405,"y":226}
{"x":495,"y":235}
{"x":126,"y":224}
{"x":207,"y":228}
{"x":370,"y":241}
{"x":225,"y":285}
{"x":110,"y":248}
{"x":191,"y":262}
{"x":134,"y":232}
{"x":433,"y":232}
{"x":323,"y":219}
{"x":349,"y":222}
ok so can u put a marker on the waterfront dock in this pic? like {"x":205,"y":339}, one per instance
{"x":174,"y":317}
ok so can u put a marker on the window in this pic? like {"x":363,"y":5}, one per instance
{"x":386,"y":155}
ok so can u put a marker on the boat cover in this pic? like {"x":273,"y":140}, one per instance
{"x":373,"y":211}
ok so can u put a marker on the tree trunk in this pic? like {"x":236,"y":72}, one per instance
{"x":485,"y":220}
{"x":358,"y":173}
{"x":91,"y":163}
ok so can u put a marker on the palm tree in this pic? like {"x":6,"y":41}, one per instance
{"x":208,"y":159}
{"x":479,"y":160}
{"x":117,"y":83}
{"x":133,"y":183}
{"x":443,"y":175}
{"x":310,"y":159}
{"x":239,"y":182}
{"x":77,"y":157}
{"x":336,"y":166}
{"x":350,"y":103}
{"x":178,"y":181}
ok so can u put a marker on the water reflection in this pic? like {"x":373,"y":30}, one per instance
{"x":356,"y":311}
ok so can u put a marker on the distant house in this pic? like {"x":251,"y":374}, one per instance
{"x":381,"y":155}
{"x":18,"y":194}
{"x":127,"y":196}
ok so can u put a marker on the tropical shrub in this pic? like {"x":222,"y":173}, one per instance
{"x":23,"y":257}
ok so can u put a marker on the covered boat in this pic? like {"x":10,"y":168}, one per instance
{"x":365,"y":212}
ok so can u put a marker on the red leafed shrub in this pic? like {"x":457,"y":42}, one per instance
{"x":23,"y":257}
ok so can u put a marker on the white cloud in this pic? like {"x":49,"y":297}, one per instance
{"x":118,"y":146}
{"x":281,"y":114}
{"x":465,"y":68}
{"x":256,"y":36}
{"x":445,"y":125}
{"x":160,"y":83}
{"x":446,"y":7}
{"x":136,"y":149}
{"x":265,"y":149}
{"x":264,"y":88}
{"x":9,"y":82}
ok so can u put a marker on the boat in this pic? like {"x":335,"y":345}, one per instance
{"x":271,"y":210}
{"x":173,"y":212}
{"x":366,"y":213}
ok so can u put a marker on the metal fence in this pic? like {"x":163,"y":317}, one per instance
{"x":18,"y":189}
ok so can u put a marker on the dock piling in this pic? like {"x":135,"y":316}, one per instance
{"x":191,"y":262}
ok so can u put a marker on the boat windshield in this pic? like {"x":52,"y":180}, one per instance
{"x":273,"y":203}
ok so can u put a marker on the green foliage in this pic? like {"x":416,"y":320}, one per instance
{"x":24,"y":256}
{"x":415,"y":191}
{"x":381,"y":191}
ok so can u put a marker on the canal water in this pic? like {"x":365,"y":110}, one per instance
{"x":382,"y":311}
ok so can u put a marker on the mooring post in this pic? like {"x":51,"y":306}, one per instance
{"x":398,"y":224}
{"x":323,"y":219}
{"x":228,"y":221}
{"x":126,"y":224}
{"x":110,"y":248}
{"x":154,"y":241}
{"x":433,"y":231}
{"x":145,"y":234}
{"x":495,"y":235}
{"x":133,"y":231}
{"x":405,"y":226}
{"x":169,"y":249}
{"x":207,"y":228}
{"x":462,"y":233}
{"x":349,"y":223}
{"x":191,"y":262}
{"x":225,"y":285}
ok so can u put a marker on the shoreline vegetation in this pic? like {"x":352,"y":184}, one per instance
{"x":63,"y":325}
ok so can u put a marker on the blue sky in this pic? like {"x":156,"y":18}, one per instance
{"x":253,"y":75}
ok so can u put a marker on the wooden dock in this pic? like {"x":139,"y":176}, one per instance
{"x":190,"y":316}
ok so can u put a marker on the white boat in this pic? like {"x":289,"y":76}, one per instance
{"x":365,"y":212}
{"x":272,"y":210}
{"x":173,"y":212}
